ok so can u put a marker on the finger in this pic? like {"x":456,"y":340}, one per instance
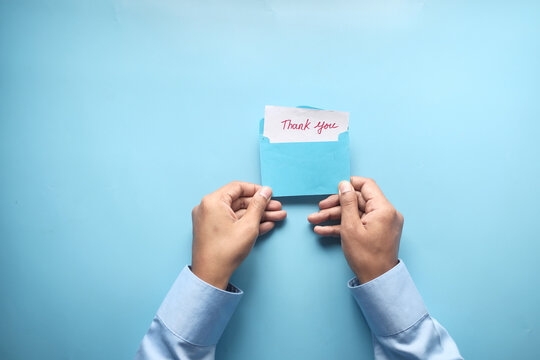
{"x":257,"y":206}
{"x":333,"y":200}
{"x":369,"y":190}
{"x":235,"y":190}
{"x":361,"y":201}
{"x":274,"y":215}
{"x":266,"y":227}
{"x":333,"y":213}
{"x":267,"y":216}
{"x":243,"y":202}
{"x":273,"y":205}
{"x":330,"y":230}
{"x":349,"y":203}
{"x":240,"y":213}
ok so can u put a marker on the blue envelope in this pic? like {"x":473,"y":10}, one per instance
{"x":304,"y":168}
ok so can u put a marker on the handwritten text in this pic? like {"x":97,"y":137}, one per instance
{"x":321,"y":125}
{"x":289,"y":125}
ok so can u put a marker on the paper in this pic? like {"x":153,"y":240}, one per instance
{"x":285,"y":124}
{"x":304,"y":151}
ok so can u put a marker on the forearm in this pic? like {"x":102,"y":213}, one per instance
{"x":426,"y":339}
{"x":190,"y":320}
{"x":400,"y":323}
{"x":162,"y":343}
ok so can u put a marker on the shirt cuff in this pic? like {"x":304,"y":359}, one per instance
{"x":196,"y":311}
{"x":390,"y":303}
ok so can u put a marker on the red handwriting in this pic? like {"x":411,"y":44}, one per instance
{"x":289,"y":125}
{"x":323,"y":125}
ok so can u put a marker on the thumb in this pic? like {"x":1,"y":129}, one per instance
{"x":349,"y":203}
{"x":257,"y":205}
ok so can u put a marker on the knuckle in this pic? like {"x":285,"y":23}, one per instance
{"x":252,"y":230}
{"x":389,"y":213}
{"x":400,"y":217}
{"x":259,"y":202}
{"x":348,"y":198}
{"x":325,"y":216}
{"x":369,"y":206}
{"x":194,"y":211}
{"x":205,"y":202}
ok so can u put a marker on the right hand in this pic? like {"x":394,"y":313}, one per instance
{"x":370,"y":227}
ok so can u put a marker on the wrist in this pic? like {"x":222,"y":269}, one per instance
{"x":373,"y":271}
{"x":218,"y":279}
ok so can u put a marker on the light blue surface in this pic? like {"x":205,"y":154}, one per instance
{"x":118,"y":116}
{"x":304,"y":168}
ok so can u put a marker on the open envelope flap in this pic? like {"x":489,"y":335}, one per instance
{"x":307,"y":168}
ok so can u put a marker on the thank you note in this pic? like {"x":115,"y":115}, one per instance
{"x":286,"y":125}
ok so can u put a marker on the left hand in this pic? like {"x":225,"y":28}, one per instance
{"x":225,"y":226}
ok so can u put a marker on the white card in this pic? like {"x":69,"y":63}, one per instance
{"x":285,"y":124}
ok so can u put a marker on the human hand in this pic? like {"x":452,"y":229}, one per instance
{"x":225,"y":226}
{"x":370,"y":227}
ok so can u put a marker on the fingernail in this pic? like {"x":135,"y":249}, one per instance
{"x":344,"y":187}
{"x":266,"y":192}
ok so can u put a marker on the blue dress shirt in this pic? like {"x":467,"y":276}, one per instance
{"x":194,"y":314}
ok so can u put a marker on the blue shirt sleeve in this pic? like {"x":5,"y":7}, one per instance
{"x":190,"y":320}
{"x":399,"y":321}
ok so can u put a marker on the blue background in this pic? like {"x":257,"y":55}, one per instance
{"x":118,"y":116}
